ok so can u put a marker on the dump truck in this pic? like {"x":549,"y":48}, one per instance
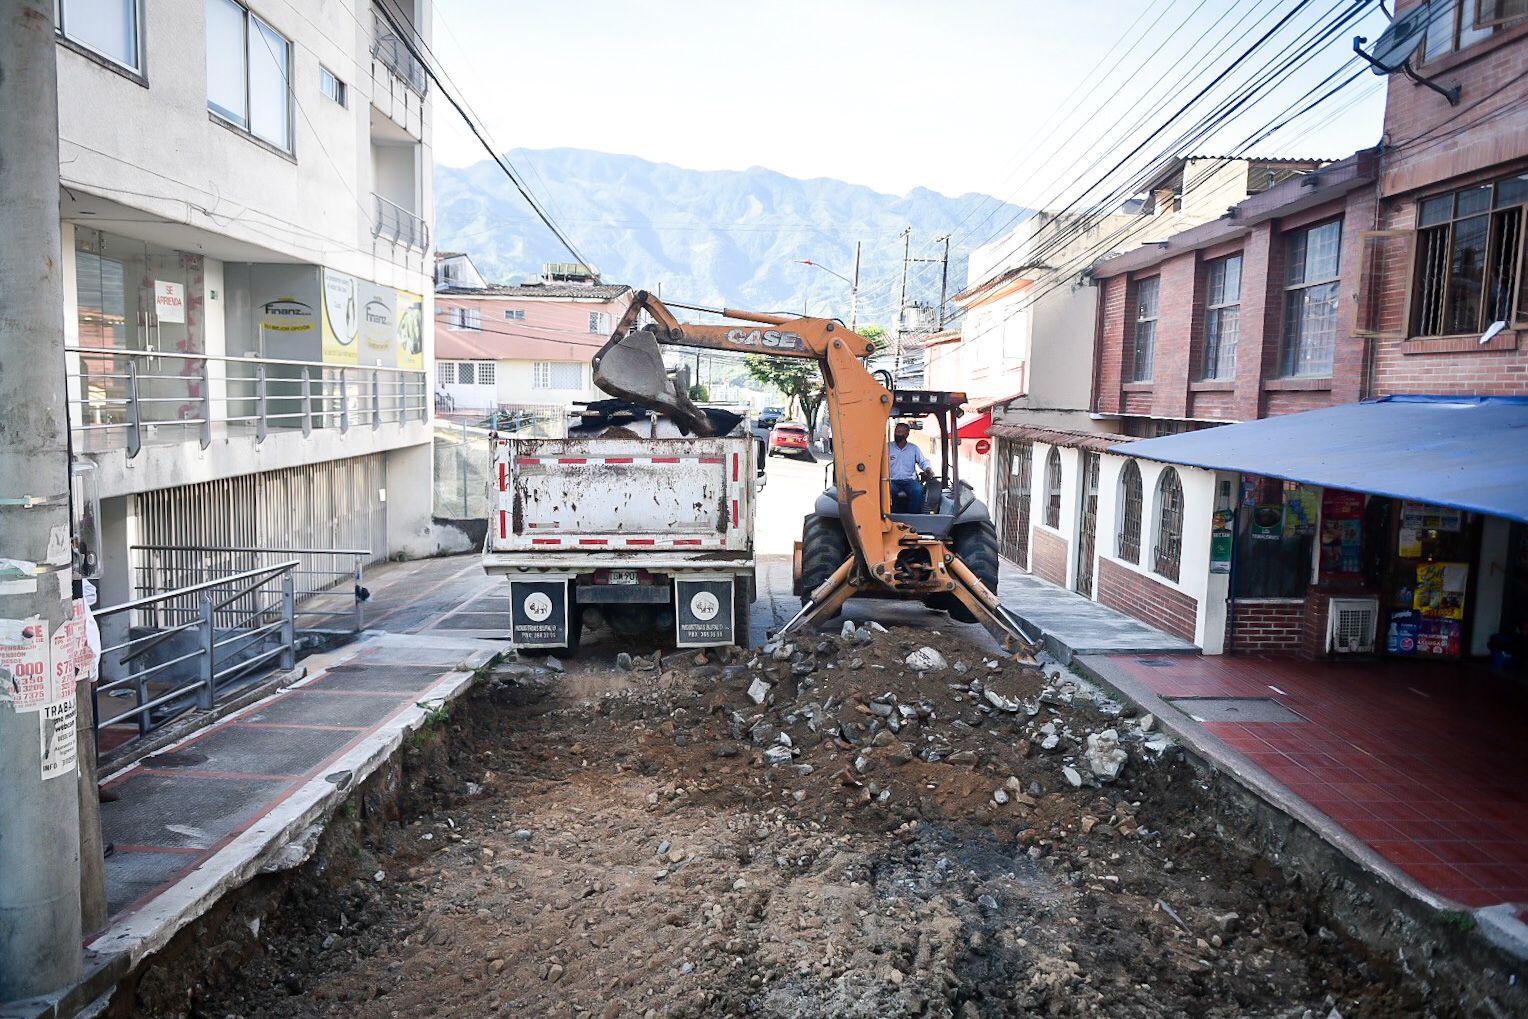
{"x":653,"y":535}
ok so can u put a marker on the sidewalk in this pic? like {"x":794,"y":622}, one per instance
{"x":1420,"y":762}
{"x":1074,"y":625}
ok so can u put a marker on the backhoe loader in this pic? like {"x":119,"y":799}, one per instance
{"x":883,"y":554}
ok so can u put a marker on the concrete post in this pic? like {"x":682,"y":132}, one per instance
{"x":39,"y":819}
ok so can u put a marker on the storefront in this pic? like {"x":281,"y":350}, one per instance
{"x":1395,"y":527}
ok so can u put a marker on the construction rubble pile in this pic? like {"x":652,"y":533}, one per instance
{"x":859,"y":823}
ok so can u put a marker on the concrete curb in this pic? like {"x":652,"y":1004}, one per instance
{"x":114,"y":953}
{"x":1213,"y":754}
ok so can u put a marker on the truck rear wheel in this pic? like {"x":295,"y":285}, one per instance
{"x":824,"y":547}
{"x":976,"y":546}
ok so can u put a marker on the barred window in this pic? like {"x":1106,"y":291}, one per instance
{"x":445,"y":372}
{"x":1144,"y":344}
{"x":1053,"y":488}
{"x":485,"y":373}
{"x":557,"y":375}
{"x":464,"y":373}
{"x":1222,"y":318}
{"x":599,"y":322}
{"x":1130,"y":513}
{"x":1310,"y":299}
{"x":1169,"y":549}
{"x":1470,"y":269}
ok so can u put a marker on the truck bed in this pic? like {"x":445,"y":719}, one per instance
{"x":587,"y":502}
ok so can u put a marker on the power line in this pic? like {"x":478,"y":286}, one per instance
{"x":409,"y":43}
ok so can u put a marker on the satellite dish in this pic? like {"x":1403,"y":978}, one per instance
{"x":1397,"y":44}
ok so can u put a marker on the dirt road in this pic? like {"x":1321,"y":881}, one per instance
{"x":829,"y":832}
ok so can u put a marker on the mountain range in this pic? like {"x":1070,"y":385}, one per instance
{"x":711,"y":237}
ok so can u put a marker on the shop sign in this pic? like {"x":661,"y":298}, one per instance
{"x":341,"y":318}
{"x":1268,"y":522}
{"x":1300,"y":508}
{"x":169,"y":301}
{"x":410,"y":320}
{"x":1440,"y":588}
{"x":1220,"y":541}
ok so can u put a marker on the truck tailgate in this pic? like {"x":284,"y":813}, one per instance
{"x":601,"y":495}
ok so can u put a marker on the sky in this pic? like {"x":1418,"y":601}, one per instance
{"x":1019,"y":99}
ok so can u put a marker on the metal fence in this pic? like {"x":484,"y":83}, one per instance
{"x":327,"y":587}
{"x":128,"y":398}
{"x":238,"y":622}
{"x":464,"y":454}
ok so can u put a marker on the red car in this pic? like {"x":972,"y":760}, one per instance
{"x":788,"y":437}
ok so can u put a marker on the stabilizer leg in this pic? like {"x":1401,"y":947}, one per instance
{"x":824,"y":601}
{"x":991,"y":613}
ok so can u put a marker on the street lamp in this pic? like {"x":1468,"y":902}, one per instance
{"x":853,"y":284}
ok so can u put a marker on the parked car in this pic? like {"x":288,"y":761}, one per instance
{"x":770,"y":416}
{"x":789,"y":437}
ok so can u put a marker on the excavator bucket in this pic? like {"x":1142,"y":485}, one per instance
{"x":631,"y":367}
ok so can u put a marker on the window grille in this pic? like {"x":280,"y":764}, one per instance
{"x":1130,"y":513}
{"x":485,"y":373}
{"x":1169,"y":551}
{"x":1053,"y":488}
{"x":464,"y":373}
{"x":1471,"y":270}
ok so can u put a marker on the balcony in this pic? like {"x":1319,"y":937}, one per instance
{"x":154,"y":419}
{"x":393,"y":54}
{"x":397,"y":225}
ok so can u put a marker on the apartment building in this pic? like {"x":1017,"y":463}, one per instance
{"x":245,"y":207}
{"x":1319,"y":397}
{"x":517,"y":345}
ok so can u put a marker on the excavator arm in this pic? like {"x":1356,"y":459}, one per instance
{"x":887,"y":553}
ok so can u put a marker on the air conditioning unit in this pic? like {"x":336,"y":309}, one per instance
{"x":1351,"y":624}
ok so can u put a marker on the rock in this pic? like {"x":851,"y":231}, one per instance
{"x":663,"y":847}
{"x":847,"y":633}
{"x":881,"y":710}
{"x":724,"y":750}
{"x":522,"y":834}
{"x":1157,"y":743}
{"x":926,"y":659}
{"x":758,"y":691}
{"x":552,"y":664}
{"x":661,"y":875}
{"x":676,"y":856}
{"x":987,"y":902}
{"x":897,"y":753}
{"x":963,"y":757}
{"x":686,"y":968}
{"x":883,"y":738}
{"x":379,"y":876}
{"x":623,"y":661}
{"x":877,"y":627}
{"x":777,"y":754}
{"x":474,"y":789}
{"x":856,"y":662}
{"x":1000,"y":702}
{"x":960,"y":668}
{"x":1050,"y":742}
{"x":782,"y":652}
{"x":554,"y":972}
{"x":1146,"y":722}
{"x":1104,"y":755}
{"x":1073,"y":776}
{"x":1000,"y":796}
{"x":1229,"y":923}
{"x":1088,"y":821}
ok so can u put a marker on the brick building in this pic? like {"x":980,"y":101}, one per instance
{"x":1397,"y":273}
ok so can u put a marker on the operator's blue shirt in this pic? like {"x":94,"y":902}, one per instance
{"x":905,"y":461}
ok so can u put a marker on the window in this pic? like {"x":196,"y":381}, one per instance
{"x":1130,"y":513}
{"x":1145,"y":343}
{"x":599,"y":322}
{"x":486,"y":373}
{"x":470,"y":319}
{"x":1053,"y":488}
{"x":514,"y":314}
{"x":1169,"y":549}
{"x":106,"y":27}
{"x":1471,"y":267}
{"x":1460,"y":24}
{"x":464,"y":373}
{"x":1310,"y":300}
{"x":445,"y":373}
{"x":332,"y":87}
{"x":249,"y":68}
{"x":1222,"y":318}
{"x":558,"y":375}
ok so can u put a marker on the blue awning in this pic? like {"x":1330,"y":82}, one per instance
{"x":1470,"y":453}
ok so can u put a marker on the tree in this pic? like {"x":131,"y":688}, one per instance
{"x":799,"y":379}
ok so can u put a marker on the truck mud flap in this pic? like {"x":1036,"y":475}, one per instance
{"x":703,"y":610}
{"x":539,"y":615}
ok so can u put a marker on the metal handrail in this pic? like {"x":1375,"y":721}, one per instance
{"x":387,"y":47}
{"x":230,"y":358}
{"x":182,"y":592}
{"x":399,"y":225}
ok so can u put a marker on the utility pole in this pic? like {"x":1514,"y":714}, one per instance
{"x":39,"y":818}
{"x":944,"y":279}
{"x":854,"y":291}
{"x":907,"y":233}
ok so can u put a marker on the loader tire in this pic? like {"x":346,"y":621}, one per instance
{"x":976,"y":546}
{"x":824,"y":547}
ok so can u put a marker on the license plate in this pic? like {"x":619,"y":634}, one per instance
{"x":623,"y":576}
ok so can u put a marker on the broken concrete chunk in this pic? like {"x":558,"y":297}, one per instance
{"x":1073,"y":776}
{"x":926,"y":659}
{"x":1104,"y":755}
{"x":1000,"y":702}
{"x":1146,"y":722}
{"x":758,"y":691}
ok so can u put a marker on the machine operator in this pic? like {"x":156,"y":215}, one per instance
{"x":907,"y":464}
